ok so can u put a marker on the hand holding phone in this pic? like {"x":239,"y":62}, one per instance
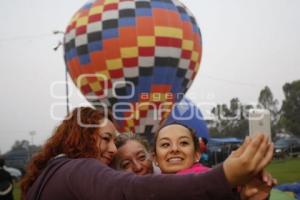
{"x":259,"y":122}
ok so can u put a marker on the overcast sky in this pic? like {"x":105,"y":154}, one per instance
{"x":246,"y":45}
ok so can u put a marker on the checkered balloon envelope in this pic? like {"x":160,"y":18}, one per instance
{"x":135,"y":57}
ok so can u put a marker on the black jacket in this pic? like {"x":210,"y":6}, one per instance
{"x":6,"y":185}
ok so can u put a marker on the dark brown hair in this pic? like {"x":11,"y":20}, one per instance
{"x":191,"y":131}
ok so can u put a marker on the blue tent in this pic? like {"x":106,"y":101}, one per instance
{"x":225,"y":140}
{"x":187,"y":113}
{"x":290,"y":187}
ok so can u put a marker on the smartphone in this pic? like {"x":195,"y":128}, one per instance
{"x":259,"y":122}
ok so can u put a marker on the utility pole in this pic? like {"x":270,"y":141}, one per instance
{"x":29,"y":147}
{"x":60,"y":43}
{"x":32,"y":134}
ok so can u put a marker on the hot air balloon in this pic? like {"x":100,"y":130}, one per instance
{"x":189,"y":114}
{"x":137,"y":57}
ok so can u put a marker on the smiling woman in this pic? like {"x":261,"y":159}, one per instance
{"x":176,"y":151}
{"x":176,"y":148}
{"x":106,"y":144}
{"x":133,"y":155}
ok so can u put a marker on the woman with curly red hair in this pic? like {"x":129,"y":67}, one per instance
{"x":73,"y":165}
{"x":85,"y":133}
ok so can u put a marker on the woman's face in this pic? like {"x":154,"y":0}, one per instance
{"x":133,"y":157}
{"x":175,"y":149}
{"x":106,"y":142}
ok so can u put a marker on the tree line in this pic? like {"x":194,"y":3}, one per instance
{"x":232,"y":120}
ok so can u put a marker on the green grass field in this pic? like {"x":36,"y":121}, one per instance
{"x":17,"y":192}
{"x":286,"y":171}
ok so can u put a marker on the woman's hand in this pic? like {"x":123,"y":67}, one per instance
{"x":248,"y":160}
{"x":259,"y":187}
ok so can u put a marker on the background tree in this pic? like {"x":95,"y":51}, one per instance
{"x":291,"y":107}
{"x":267,"y":101}
{"x":218,"y":129}
{"x":23,"y":144}
{"x":231,"y":121}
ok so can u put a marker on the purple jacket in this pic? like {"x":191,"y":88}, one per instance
{"x":89,"y":179}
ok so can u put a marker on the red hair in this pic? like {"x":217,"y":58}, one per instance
{"x":72,"y":138}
